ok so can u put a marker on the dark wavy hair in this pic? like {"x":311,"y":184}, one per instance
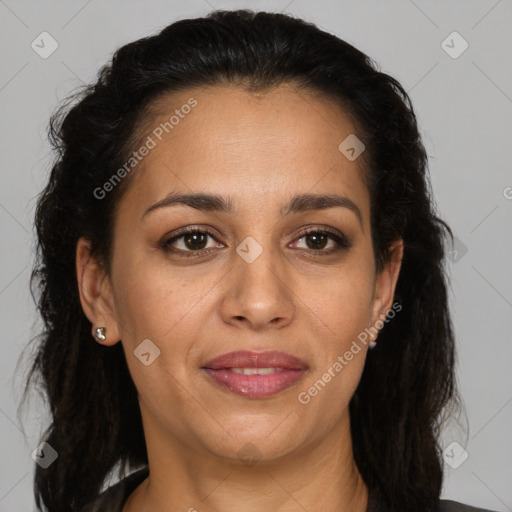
{"x":408,"y":384}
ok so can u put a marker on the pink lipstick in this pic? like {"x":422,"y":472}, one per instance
{"x":255,"y":374}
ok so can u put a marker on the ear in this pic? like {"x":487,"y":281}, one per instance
{"x":95,"y":293}
{"x":385,"y":281}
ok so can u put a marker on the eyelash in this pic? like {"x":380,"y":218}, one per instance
{"x":341,"y":241}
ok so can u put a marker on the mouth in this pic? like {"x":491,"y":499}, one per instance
{"x":255,"y":374}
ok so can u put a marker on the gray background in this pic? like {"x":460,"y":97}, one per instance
{"x":464,"y":107}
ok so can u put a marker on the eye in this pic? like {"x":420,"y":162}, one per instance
{"x":191,"y":240}
{"x":195,"y":242}
{"x":317,"y":241}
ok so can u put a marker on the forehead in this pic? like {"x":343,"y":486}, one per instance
{"x":255,"y":147}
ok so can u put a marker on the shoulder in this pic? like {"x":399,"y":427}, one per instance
{"x":113,"y":498}
{"x":455,"y":506}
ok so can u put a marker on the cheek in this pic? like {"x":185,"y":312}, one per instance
{"x":152,"y":300}
{"x":345,"y":311}
{"x":155,"y":301}
{"x":341,"y":300}
{"x":157,"y":305}
{"x":341,"y":306}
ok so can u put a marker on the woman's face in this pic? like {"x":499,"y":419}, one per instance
{"x":251,"y":280}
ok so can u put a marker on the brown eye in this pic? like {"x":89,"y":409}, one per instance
{"x":191,"y":242}
{"x":196,"y":240}
{"x":317,"y":241}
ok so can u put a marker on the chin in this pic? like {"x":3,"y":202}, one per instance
{"x":256,"y":440}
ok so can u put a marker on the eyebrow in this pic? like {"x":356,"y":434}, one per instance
{"x":215,"y":203}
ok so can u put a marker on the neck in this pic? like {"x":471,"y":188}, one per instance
{"x":321,"y":477}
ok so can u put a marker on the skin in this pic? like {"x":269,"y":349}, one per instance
{"x":260,"y":149}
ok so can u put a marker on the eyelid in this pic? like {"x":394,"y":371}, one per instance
{"x":334,"y":233}
{"x":164,"y":244}
{"x":342,"y":241}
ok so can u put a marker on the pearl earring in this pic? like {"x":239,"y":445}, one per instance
{"x":100,"y":334}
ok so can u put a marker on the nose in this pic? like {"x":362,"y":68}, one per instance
{"x":259,"y":293}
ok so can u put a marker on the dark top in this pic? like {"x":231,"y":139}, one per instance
{"x":114,"y":498}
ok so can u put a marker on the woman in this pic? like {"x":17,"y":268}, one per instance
{"x":241,"y":277}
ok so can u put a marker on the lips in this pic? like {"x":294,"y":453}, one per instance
{"x":255,"y":374}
